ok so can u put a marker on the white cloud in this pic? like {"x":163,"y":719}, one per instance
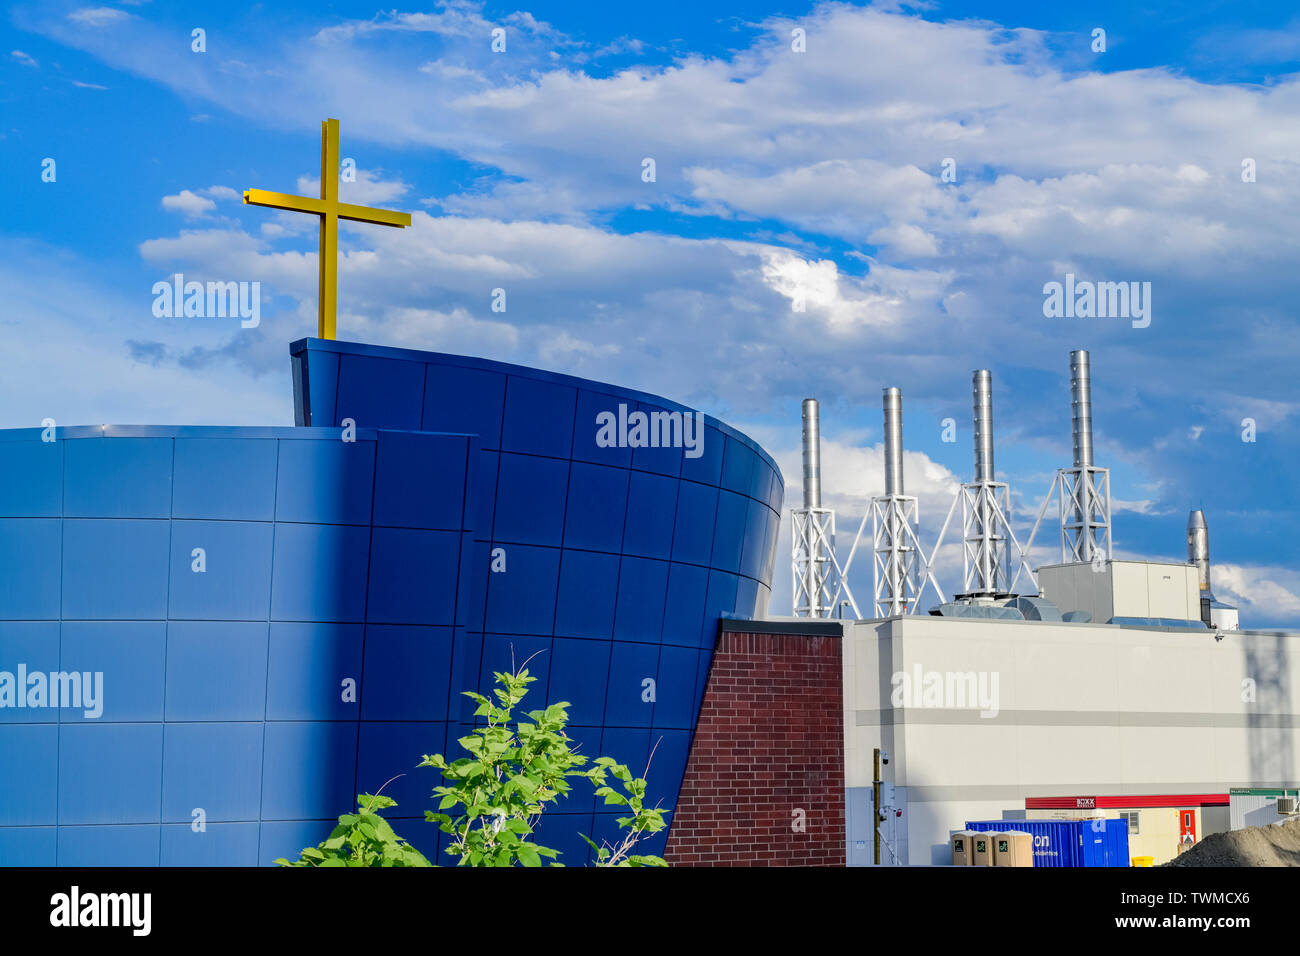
{"x":24,"y":59}
{"x":97,"y":16}
{"x":189,"y":204}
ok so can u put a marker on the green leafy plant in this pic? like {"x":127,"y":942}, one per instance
{"x":363,"y":838}
{"x":515,"y":771}
{"x":518,"y":768}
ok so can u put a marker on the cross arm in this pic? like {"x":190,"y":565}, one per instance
{"x":264,"y":197}
{"x":381,"y":217}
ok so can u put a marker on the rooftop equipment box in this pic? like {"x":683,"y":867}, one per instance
{"x":1097,"y":842}
{"x":1142,"y":589}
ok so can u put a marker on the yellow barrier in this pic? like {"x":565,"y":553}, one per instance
{"x":1143,"y":860}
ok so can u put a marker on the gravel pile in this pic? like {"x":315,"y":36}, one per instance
{"x":1275,"y":845}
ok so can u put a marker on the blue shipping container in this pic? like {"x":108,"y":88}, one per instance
{"x":1069,"y":842}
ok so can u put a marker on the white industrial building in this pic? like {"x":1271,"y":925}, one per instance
{"x":1110,"y":678}
{"x":1080,"y":708}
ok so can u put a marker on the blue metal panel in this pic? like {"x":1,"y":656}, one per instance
{"x":306,"y":667}
{"x":35,"y":644}
{"x":407,"y":671}
{"x":286,"y":838}
{"x":738,"y":462}
{"x":118,"y":478}
{"x":697,"y":507}
{"x":29,"y":569}
{"x":233,"y":580}
{"x":319,"y":572}
{"x":626,"y":745}
{"x":28,"y":846}
{"x":31,"y":482}
{"x":109,"y":773}
{"x":231,"y":479}
{"x":538,"y":417}
{"x":130,"y":655}
{"x":309,"y":770}
{"x":322,"y":389}
{"x":721,"y":601}
{"x":521,"y":600}
{"x":390,"y":748}
{"x":325,"y":481}
{"x":196,"y":650}
{"x":626,"y":699}
{"x":707,"y":468}
{"x":684,"y":613}
{"x":219,"y":844}
{"x":28,"y":774}
{"x":109,"y":846}
{"x":530,"y":493}
{"x":215,"y":767}
{"x":420,"y":481}
{"x":663,"y":461}
{"x":756,"y":528}
{"x":504,"y":652}
{"x":380,"y":393}
{"x":414,"y":576}
{"x":115,"y":570}
{"x":642,"y":596}
{"x":579,"y":672}
{"x":585,"y":429}
{"x":588,"y":588}
{"x":669,"y":752}
{"x":651,"y":510}
{"x":465,"y":400}
{"x":729,"y":531}
{"x":675,"y":689}
{"x":593,"y":519}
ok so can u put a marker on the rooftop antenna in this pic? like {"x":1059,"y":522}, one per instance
{"x":1083,"y":491}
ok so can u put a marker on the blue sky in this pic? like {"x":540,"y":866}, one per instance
{"x":777,"y":173}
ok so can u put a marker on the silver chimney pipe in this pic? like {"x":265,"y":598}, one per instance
{"x":1198,"y":547}
{"x":812,"y":455}
{"x":982,"y":383}
{"x":1081,"y":405}
{"x":893,"y":403}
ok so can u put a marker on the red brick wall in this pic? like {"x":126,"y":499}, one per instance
{"x":770,"y":740}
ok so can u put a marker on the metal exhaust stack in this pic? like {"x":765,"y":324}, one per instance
{"x":894,"y":518}
{"x":893,"y":407}
{"x":812,"y":455}
{"x":812,"y":540}
{"x":1198,"y":548}
{"x":1085,"y":488}
{"x":1081,"y":407}
{"x":982,"y":386}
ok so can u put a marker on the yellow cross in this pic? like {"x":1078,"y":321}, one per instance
{"x":330,"y":211}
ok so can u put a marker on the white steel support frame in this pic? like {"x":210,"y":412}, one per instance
{"x":900,"y":570}
{"x":817,"y":579}
{"x":987,"y":539}
{"x":1083,"y":498}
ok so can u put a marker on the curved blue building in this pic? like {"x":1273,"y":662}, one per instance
{"x":211,"y":639}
